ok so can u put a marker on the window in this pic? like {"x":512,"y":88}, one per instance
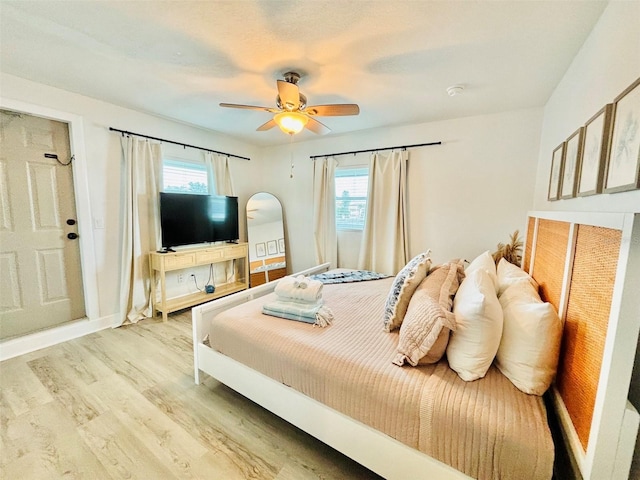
{"x":180,"y":176}
{"x":351,"y":197}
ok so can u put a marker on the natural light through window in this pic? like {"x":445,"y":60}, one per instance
{"x":351,"y":197}
{"x":184,"y":177}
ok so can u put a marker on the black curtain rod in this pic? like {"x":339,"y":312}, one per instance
{"x":403,"y":147}
{"x":124,"y":132}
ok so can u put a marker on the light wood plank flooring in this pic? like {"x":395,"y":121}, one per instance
{"x":121,"y":403}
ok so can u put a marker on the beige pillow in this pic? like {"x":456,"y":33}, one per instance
{"x":402,"y":289}
{"x":531,"y":338}
{"x":474,"y":344}
{"x":484,"y":262}
{"x":424,"y":333}
{"x":509,"y":274}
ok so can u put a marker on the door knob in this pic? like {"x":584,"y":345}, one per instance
{"x":72,"y":236}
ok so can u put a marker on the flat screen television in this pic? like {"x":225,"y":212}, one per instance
{"x":187,"y":219}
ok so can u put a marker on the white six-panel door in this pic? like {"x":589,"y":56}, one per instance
{"x":41,"y":280}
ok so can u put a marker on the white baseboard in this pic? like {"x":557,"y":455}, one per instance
{"x":52,"y":336}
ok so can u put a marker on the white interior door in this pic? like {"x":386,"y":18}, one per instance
{"x":41,"y":279}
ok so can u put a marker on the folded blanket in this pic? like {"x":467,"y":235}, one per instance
{"x":299,"y":289}
{"x":317,"y":314}
{"x":348,"y":276}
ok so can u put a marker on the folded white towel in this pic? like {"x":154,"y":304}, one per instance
{"x":286,"y":289}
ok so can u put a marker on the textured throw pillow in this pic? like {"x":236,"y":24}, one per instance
{"x":418,"y":335}
{"x":402,"y":289}
{"x":509,"y":274}
{"x":485,"y":262}
{"x":473,"y":346}
{"x":424,"y":333}
{"x":531,"y":337}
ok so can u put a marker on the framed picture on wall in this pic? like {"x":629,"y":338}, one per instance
{"x":272,"y":247}
{"x":594,"y":152}
{"x":260,"y":251}
{"x":281,"y":245}
{"x":623,"y":162}
{"x":572,"y":152}
{"x":556,"y":173}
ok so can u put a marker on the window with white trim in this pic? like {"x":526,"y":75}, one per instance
{"x":181,"y":176}
{"x":351,"y":197}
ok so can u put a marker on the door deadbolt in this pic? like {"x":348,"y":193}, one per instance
{"x":71,"y":221}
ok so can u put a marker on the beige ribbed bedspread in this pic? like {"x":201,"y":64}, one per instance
{"x":487,"y":429}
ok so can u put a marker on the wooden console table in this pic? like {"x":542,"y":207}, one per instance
{"x":161,"y":263}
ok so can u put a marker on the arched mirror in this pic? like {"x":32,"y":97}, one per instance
{"x":266,"y":239}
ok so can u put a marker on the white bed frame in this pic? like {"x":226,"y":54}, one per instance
{"x":611,"y":443}
{"x":369,"y":447}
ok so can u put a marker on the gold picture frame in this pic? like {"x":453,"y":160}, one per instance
{"x":572,"y":152}
{"x":555,"y":175}
{"x":623,"y":160}
{"x":593,"y":156}
{"x":272,"y":247}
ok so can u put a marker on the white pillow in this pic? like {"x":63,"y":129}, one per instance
{"x":473,"y":346}
{"x":485,"y":262}
{"x":531,"y":337}
{"x":509,"y":274}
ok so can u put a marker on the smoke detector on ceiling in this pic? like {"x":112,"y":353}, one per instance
{"x":454,"y":90}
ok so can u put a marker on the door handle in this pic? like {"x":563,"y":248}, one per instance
{"x":72,"y":236}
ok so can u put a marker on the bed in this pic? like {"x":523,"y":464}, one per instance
{"x":394,"y":440}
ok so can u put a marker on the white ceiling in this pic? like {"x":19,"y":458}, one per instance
{"x":179,"y":59}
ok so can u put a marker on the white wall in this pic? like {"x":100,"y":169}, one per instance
{"x":103,"y":158}
{"x":465,"y":195}
{"x":607,"y":63}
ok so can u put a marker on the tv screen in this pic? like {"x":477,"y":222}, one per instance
{"x":187,"y":219}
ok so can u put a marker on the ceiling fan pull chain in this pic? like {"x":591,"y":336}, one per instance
{"x":291,"y":154}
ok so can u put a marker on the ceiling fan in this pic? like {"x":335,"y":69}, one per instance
{"x":292,"y":113}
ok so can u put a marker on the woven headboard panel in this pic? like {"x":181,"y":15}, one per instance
{"x":588,"y":267}
{"x":550,"y":257}
{"x":588,"y":308}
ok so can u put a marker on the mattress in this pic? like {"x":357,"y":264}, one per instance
{"x":487,"y":429}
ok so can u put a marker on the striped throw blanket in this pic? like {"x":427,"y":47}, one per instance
{"x":315,"y":313}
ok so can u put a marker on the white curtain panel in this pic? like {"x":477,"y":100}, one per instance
{"x":141,"y":174}
{"x":219,"y":176}
{"x":324,"y":211}
{"x":218,"y":168}
{"x":384,"y":246}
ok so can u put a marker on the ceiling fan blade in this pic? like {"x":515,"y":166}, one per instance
{"x":316,"y":127}
{"x":248,"y":107}
{"x":266,"y":126}
{"x":334,"y":110}
{"x":289,"y":95}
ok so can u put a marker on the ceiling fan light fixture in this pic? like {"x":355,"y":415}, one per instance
{"x":455,"y":90}
{"x":291,"y":122}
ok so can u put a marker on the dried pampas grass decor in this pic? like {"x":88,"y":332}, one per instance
{"x":511,"y":252}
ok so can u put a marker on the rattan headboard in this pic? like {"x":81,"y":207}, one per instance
{"x":587,"y":266}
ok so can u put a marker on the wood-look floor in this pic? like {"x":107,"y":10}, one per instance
{"x":121,"y":403}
